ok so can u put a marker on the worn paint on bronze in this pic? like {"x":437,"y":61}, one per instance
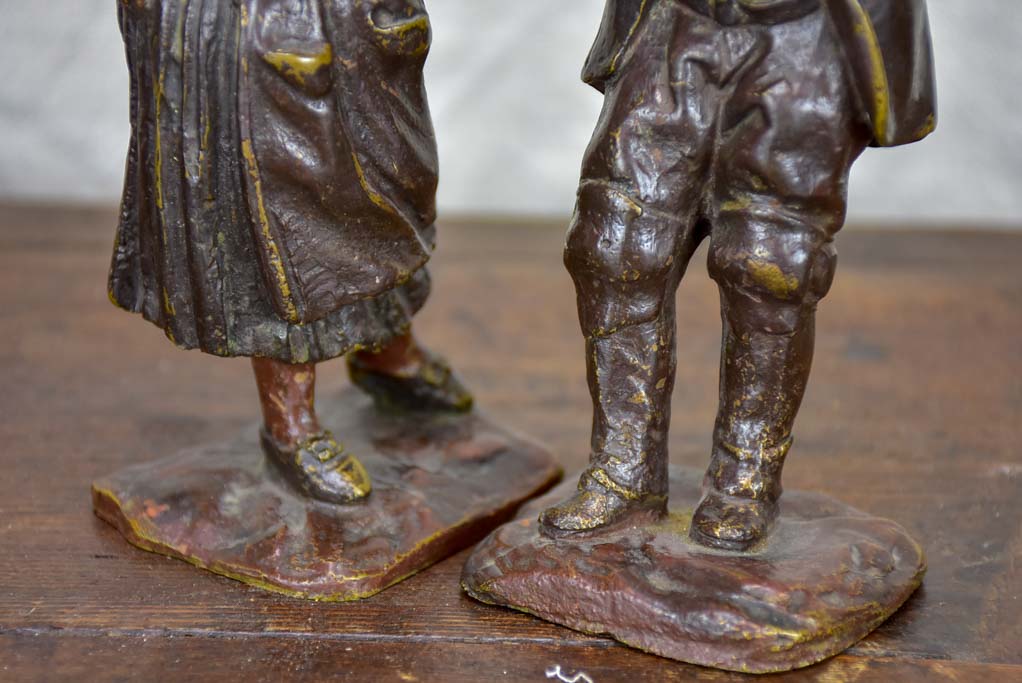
{"x":279,"y":198}
{"x":737,"y":122}
{"x":279,"y":204}
{"x":827,"y":577}
{"x":442,"y":481}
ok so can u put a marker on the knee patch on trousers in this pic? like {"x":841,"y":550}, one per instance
{"x":621,"y":256}
{"x":768,"y":282}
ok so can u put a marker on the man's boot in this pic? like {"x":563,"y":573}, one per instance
{"x":742,"y":488}
{"x":763,"y":378}
{"x":631,"y":376}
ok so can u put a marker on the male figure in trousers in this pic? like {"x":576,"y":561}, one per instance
{"x":736,"y":120}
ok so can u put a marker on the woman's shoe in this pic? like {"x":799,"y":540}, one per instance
{"x":318,"y":467}
{"x":433,"y":387}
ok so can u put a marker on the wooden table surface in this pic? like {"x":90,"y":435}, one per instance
{"x":913,"y":412}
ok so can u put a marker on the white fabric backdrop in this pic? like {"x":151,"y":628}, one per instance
{"x":511,"y":114}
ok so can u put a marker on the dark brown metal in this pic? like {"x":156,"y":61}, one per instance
{"x":896,"y":423}
{"x":281,"y":178}
{"x":440,"y":483}
{"x":279,"y":204}
{"x":826,"y":577}
{"x":735,"y":121}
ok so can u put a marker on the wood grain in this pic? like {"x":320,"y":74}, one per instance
{"x":274,"y":658}
{"x":914,"y":412}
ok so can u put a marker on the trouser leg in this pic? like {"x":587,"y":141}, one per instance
{"x":763,"y":379}
{"x":771,"y":276}
{"x":626,"y":261}
{"x":632,"y":237}
{"x":631,"y":376}
{"x":789,"y":133}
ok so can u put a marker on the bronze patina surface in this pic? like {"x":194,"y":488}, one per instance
{"x":827,"y":576}
{"x":734,"y":122}
{"x":280,"y":187}
{"x":440,"y":482}
{"x":896,"y":423}
{"x":279,"y":204}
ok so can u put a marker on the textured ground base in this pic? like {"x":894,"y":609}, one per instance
{"x":826,"y":577}
{"x":439,"y":484}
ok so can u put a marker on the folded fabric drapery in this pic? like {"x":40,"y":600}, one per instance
{"x":280,"y":193}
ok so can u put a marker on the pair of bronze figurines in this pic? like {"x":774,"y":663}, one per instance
{"x":279,"y":204}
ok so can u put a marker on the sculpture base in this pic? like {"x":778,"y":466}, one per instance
{"x":826,"y":577}
{"x":440,"y":483}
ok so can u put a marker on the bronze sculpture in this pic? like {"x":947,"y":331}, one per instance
{"x":332,"y":269}
{"x":755,"y":156}
{"x":736,"y":121}
{"x":279,"y":204}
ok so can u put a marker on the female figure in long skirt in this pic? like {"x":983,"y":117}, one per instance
{"x":279,"y":204}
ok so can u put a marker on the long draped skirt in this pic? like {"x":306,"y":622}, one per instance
{"x":188,"y":255}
